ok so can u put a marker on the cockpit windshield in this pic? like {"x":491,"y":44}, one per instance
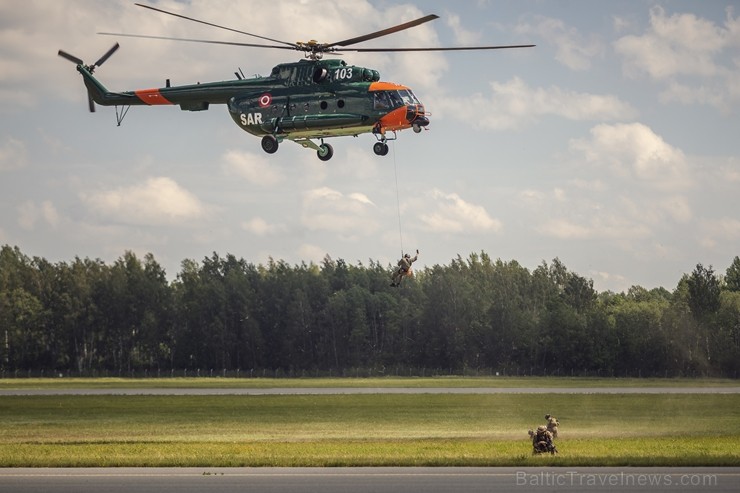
{"x":394,"y":99}
{"x":408,"y":97}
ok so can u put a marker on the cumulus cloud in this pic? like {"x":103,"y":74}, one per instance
{"x":720,"y":230}
{"x":685,"y":52}
{"x":597,"y":226}
{"x":634,"y":151}
{"x":572,"y":49}
{"x":325,"y":209}
{"x":642,"y":194}
{"x":311,"y":253}
{"x":157,"y":201}
{"x":252,"y":167}
{"x":463,"y":37}
{"x":29,"y":214}
{"x":404,"y":67}
{"x":449,"y":213}
{"x":513,"y":104}
{"x":676,"y":44}
{"x":260,"y":227}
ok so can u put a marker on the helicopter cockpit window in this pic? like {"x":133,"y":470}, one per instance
{"x":393,"y":99}
{"x":408,"y":97}
{"x":381,"y":101}
{"x":396,"y":99}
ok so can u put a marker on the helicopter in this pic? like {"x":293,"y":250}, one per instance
{"x":304,"y":102}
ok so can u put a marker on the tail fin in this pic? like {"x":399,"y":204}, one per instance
{"x":96,"y":92}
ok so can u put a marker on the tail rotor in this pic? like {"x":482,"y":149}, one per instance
{"x":90,"y":68}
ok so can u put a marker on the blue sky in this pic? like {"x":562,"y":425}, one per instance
{"x":613,"y":145}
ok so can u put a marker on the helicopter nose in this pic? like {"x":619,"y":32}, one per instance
{"x":416,"y":115}
{"x":421,"y":121}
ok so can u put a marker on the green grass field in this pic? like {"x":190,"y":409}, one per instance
{"x":368,"y":430}
{"x":391,"y":382}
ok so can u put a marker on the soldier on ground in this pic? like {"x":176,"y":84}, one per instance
{"x":552,"y":424}
{"x":542,"y":441}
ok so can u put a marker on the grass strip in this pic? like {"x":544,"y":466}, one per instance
{"x":705,"y":451}
{"x":381,"y":382}
{"x":367,"y":430}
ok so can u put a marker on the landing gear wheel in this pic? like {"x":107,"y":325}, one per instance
{"x":269,"y":144}
{"x":416,"y":128}
{"x":380,"y":148}
{"x":325,"y":152}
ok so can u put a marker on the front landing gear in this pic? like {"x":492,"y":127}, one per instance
{"x":380,"y":148}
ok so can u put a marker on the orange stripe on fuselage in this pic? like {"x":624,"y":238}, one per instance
{"x":152,"y":96}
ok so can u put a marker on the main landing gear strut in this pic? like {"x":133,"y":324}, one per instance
{"x":324,"y":151}
{"x":381,"y":146}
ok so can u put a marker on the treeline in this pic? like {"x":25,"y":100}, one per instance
{"x":226,"y":315}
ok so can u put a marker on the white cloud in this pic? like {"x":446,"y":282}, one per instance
{"x":633,"y":151}
{"x":677,"y":44}
{"x":722,"y":230}
{"x":513,"y":104}
{"x":449,"y":213}
{"x":677,"y":207}
{"x":642,"y":199}
{"x":157,"y":201}
{"x":619,"y":282}
{"x":325,"y":209}
{"x":254,"y":168}
{"x":260,"y":227}
{"x":463,"y":37}
{"x":565,"y":229}
{"x":685,"y":46}
{"x":13,"y":154}
{"x":29,"y":214}
{"x":729,"y":172}
{"x":599,"y":225}
{"x":405,"y":67}
{"x":311,"y":253}
{"x":572,"y":49}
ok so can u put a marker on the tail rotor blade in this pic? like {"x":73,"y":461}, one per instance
{"x":107,"y":55}
{"x":71,"y":58}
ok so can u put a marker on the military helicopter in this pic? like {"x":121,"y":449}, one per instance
{"x":305,"y":101}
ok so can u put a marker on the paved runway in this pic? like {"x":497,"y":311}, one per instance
{"x":376,"y":390}
{"x":362,"y":480}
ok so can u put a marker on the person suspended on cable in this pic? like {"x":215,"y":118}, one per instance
{"x":404,"y":269}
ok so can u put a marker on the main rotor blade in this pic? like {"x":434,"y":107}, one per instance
{"x":215,"y":25}
{"x":456,"y":48}
{"x":107,"y":55}
{"x":230,"y":43}
{"x":384,"y":32}
{"x":71,"y":58}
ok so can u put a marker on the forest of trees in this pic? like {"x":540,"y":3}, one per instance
{"x":226,"y":316}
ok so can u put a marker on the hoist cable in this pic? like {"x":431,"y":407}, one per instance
{"x":398,"y":201}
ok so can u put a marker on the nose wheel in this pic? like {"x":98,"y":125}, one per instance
{"x":380,"y":148}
